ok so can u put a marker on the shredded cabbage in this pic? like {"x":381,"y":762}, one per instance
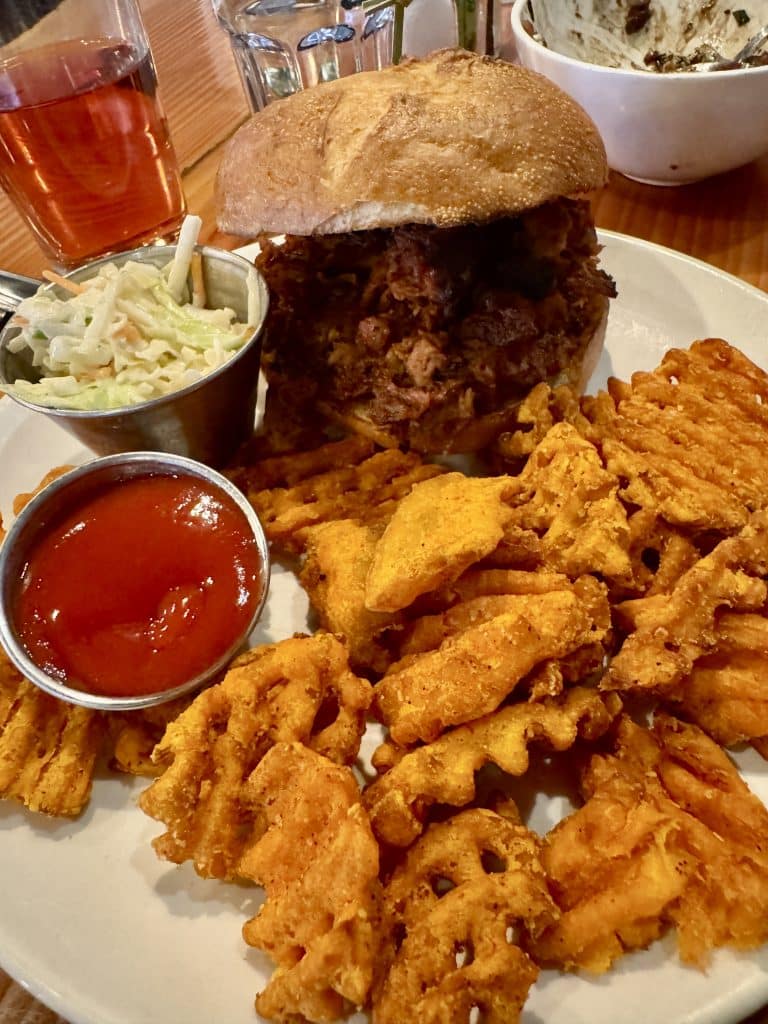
{"x":121,"y":340}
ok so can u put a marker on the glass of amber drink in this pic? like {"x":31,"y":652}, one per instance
{"x":85,"y":153}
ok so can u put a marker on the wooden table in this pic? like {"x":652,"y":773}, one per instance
{"x":723,"y":220}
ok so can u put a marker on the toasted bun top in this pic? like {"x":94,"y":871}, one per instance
{"x":452,"y":139}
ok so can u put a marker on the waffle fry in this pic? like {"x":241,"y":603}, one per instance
{"x":659,"y":553}
{"x":334,"y":573}
{"x":342,"y":480}
{"x":298,"y":690}
{"x":670,"y":834}
{"x":135,"y":734}
{"x":444,"y":771}
{"x":318,"y":862}
{"x":688,"y":439}
{"x":726,"y":693}
{"x":289,"y":469}
{"x":539,"y":411}
{"x":48,"y":749}
{"x":569,"y":504}
{"x":430,"y":693}
{"x":668,"y":632}
{"x":442,"y":527}
{"x":429,"y":632}
{"x":486,"y":582}
{"x":491,"y":883}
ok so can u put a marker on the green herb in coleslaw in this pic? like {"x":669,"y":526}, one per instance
{"x":124,"y":336}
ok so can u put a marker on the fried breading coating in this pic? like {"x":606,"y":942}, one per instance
{"x":444,"y":771}
{"x":455,"y":908}
{"x":726,"y":693}
{"x":497,"y":591}
{"x":288,"y":469}
{"x":670,"y":834}
{"x":659,"y":553}
{"x":668,"y":632}
{"x":319,"y":864}
{"x":334,"y":573}
{"x":300,"y":689}
{"x":48,"y":749}
{"x":569,"y":501}
{"x":134,"y":735}
{"x":342,"y":480}
{"x":487,"y":582}
{"x":429,"y":632}
{"x":688,"y":439}
{"x":539,"y":411}
{"x":431,"y":692}
{"x":436,"y":532}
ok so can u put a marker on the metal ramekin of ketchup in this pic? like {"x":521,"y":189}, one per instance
{"x":131,"y":580}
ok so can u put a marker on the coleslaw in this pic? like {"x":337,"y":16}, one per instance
{"x":128,"y":334}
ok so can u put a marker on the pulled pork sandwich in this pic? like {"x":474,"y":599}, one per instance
{"x":437,"y":261}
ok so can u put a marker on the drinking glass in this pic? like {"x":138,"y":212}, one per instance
{"x":282,"y":46}
{"x":85,"y":153}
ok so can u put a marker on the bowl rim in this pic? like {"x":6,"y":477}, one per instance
{"x":209,"y":251}
{"x":160,"y":464}
{"x":520,"y":34}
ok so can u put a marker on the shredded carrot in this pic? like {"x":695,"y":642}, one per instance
{"x":129,"y":332}
{"x":198,"y":284}
{"x":20,"y":321}
{"x":63,"y":282}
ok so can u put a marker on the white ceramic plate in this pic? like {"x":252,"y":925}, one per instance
{"x":104,"y":933}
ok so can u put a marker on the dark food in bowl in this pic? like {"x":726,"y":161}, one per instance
{"x":669,"y":62}
{"x":436,"y":264}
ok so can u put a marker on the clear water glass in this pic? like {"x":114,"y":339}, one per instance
{"x":282,"y":46}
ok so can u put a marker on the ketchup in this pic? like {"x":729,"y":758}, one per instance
{"x":142,"y":587}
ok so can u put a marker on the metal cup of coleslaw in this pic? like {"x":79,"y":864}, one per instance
{"x":206,"y":420}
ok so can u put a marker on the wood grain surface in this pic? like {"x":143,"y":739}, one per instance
{"x":723,"y":220}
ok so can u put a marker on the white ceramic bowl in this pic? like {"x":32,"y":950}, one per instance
{"x":665,"y":129}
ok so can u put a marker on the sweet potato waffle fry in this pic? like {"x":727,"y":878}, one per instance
{"x":48,"y":749}
{"x":300,"y":689}
{"x":449,"y":909}
{"x":334,"y":573}
{"x":669,"y":835}
{"x":340,"y":480}
{"x":567,"y":515}
{"x":687,"y":439}
{"x":726,"y":692}
{"x":436,"y":532}
{"x":429,"y":693}
{"x":539,"y":411}
{"x":668,"y":632}
{"x":444,"y":771}
{"x":659,"y":554}
{"x":133,"y":735}
{"x":318,"y":863}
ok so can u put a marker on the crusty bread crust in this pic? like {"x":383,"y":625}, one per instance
{"x":453,"y":139}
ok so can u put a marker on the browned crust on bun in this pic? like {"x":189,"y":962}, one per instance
{"x":452,"y":139}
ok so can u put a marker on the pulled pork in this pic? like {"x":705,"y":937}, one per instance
{"x":416,"y":331}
